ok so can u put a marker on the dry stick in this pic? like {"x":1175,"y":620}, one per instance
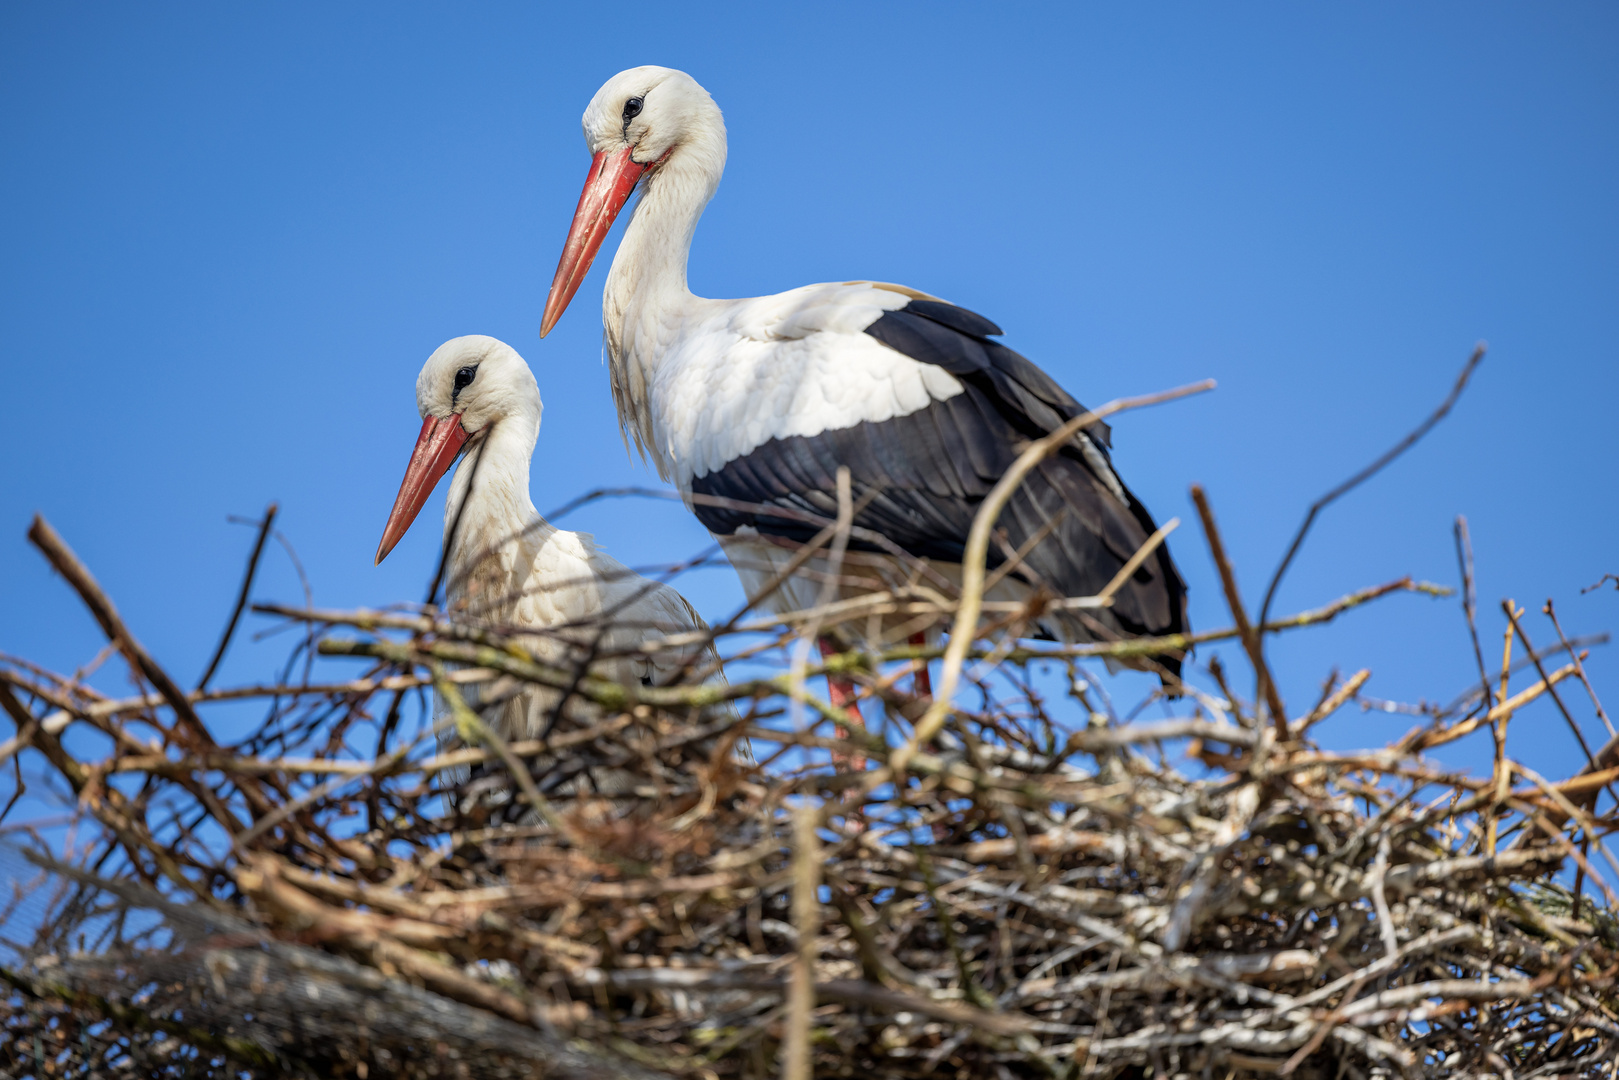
{"x":977,"y":550}
{"x":1464,"y":557}
{"x":1502,"y":774}
{"x":1551,"y":613}
{"x":1367,"y":473}
{"x":1428,"y":738}
{"x":241,"y":596}
{"x":1252,"y":642}
{"x":1336,"y":700}
{"x":1134,"y":562}
{"x":807,"y":922}
{"x":367,"y":619}
{"x":1512,"y":617}
{"x":68,"y":565}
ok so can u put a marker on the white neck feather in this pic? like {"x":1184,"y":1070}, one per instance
{"x":649,"y":274}
{"x":500,"y":516}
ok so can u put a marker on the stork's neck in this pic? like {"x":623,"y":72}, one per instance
{"x":499,"y":514}
{"x":648,"y":278}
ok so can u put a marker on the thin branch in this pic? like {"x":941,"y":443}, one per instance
{"x":241,"y":596}
{"x":1366,"y":474}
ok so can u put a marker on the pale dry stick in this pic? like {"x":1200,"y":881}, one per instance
{"x":1512,"y":617}
{"x":1023,"y":550}
{"x":1602,"y":714}
{"x":1335,"y":700}
{"x":20,"y":741}
{"x":795,"y":1050}
{"x":1105,"y":597}
{"x":848,"y":608}
{"x":1252,"y":639}
{"x":1575,"y":852}
{"x":1380,"y":902}
{"x":977,"y":549}
{"x":1502,"y":774}
{"x":1580,"y":816}
{"x":1426,"y":739}
{"x":1326,"y":1028}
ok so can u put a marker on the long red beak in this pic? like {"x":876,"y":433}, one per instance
{"x":612,"y":180}
{"x":436,"y":447}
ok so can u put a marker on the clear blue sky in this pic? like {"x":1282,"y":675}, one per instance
{"x":233,"y":233}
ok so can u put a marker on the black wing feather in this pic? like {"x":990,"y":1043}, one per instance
{"x":933,"y":468}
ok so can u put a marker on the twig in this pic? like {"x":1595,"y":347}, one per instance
{"x":241,"y":596}
{"x":1367,"y":473}
{"x":1252,"y":639}
{"x":1464,"y":558}
{"x":1551,"y":613}
{"x":795,"y":1050}
{"x":1512,"y":617}
{"x":68,"y":565}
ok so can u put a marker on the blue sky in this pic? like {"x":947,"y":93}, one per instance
{"x":233,"y":234}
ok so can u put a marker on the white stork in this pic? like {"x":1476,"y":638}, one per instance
{"x":507,"y":567}
{"x":760,"y":400}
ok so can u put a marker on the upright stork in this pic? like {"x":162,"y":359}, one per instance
{"x":762,"y":400}
{"x":508,"y":568}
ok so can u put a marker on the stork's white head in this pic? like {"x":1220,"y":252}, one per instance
{"x":646,"y":122}
{"x":650,"y":111}
{"x":479,"y":379}
{"x":467,"y":386}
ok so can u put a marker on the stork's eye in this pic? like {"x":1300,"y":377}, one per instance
{"x":464,"y":377}
{"x":632,"y":108}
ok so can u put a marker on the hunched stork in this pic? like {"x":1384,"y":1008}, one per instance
{"x":508,"y":568}
{"x":760,"y":400}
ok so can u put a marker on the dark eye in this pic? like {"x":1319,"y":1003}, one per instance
{"x":464,"y":377}
{"x":632,"y":108}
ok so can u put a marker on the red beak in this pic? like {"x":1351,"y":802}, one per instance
{"x":436,"y":447}
{"x":612,"y":179}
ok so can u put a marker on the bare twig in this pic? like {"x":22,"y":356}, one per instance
{"x":241,"y":596}
{"x":1366,"y":474}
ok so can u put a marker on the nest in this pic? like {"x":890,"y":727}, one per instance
{"x":1021,"y":884}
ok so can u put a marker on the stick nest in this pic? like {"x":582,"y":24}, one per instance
{"x":1022,"y":885}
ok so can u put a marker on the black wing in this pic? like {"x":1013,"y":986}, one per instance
{"x":934,"y":467}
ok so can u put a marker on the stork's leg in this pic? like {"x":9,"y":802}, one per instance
{"x":922,"y":682}
{"x":842,"y":693}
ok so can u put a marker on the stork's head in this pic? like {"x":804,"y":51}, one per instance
{"x":467,"y":386}
{"x":640,"y":122}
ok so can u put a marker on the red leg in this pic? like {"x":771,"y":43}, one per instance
{"x":842,"y":693}
{"x":922,"y":683}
